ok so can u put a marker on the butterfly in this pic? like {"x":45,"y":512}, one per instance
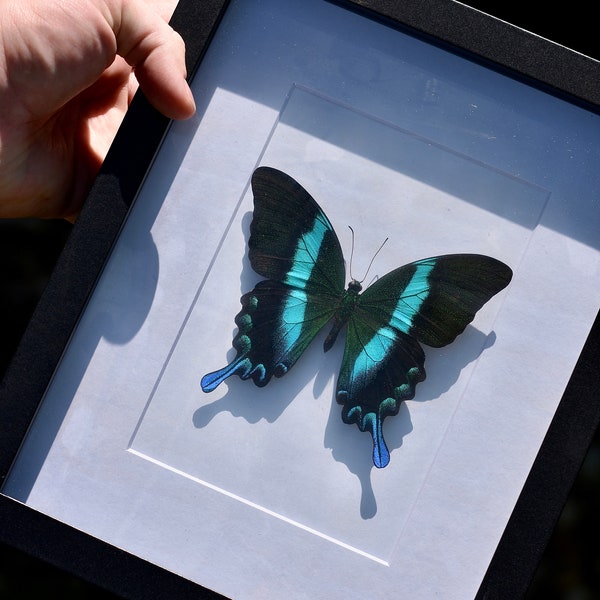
{"x":294,"y":247}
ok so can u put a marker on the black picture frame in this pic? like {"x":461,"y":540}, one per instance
{"x":556,"y":70}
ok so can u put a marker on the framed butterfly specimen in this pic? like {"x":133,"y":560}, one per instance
{"x":293,"y":244}
{"x":113,"y":461}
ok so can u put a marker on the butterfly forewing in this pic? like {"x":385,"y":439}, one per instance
{"x":434,"y":299}
{"x":291,"y":239}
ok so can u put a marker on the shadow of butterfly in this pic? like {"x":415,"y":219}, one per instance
{"x":293,"y":245}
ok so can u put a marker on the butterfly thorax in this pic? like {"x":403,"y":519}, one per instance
{"x":343,"y":312}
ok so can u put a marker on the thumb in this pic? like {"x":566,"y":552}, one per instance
{"x":157,"y":54}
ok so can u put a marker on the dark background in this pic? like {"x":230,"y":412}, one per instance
{"x":570,"y":568}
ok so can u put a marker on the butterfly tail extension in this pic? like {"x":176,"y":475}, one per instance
{"x":381,"y":454}
{"x":371,"y":422}
{"x":240,"y":366}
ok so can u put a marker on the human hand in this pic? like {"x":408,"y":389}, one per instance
{"x":66,"y":79}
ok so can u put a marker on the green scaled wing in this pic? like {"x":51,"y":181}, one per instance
{"x":429,"y":301}
{"x":293,"y":245}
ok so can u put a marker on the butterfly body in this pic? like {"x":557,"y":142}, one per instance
{"x":344,"y":311}
{"x":293,"y":245}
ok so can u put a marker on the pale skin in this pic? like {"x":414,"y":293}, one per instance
{"x":68,"y":71}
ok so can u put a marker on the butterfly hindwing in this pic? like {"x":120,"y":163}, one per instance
{"x":293,"y":244}
{"x":429,"y":301}
{"x":380,"y":369}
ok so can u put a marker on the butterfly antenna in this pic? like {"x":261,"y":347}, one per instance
{"x":351,"y":251}
{"x":374,"y":257}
